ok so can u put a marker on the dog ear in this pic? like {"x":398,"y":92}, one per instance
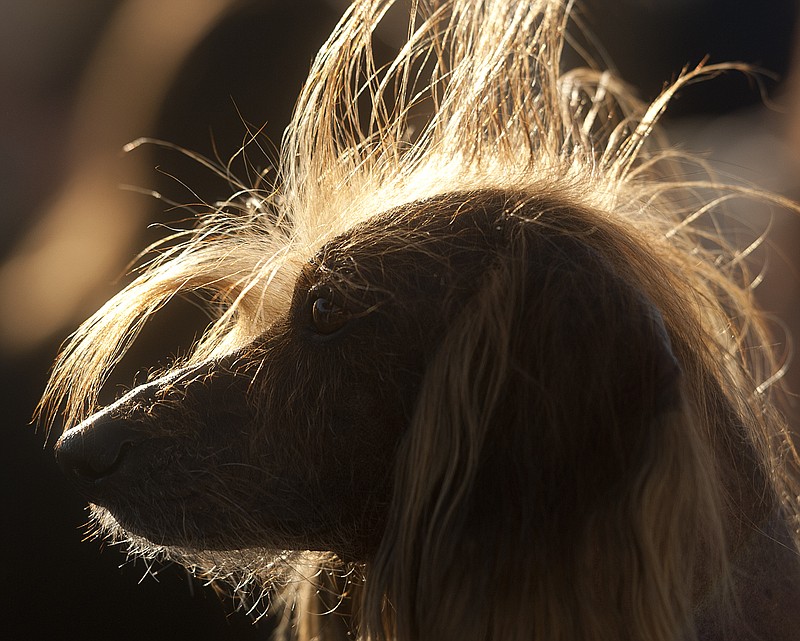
{"x":555,"y":481}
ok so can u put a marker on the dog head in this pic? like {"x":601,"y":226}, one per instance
{"x":291,"y":441}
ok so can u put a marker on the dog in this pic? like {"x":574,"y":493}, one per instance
{"x":474,"y":375}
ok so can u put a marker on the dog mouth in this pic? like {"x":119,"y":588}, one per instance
{"x":154,"y":491}
{"x":142,"y":485}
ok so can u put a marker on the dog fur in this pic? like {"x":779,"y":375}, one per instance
{"x":474,"y":374}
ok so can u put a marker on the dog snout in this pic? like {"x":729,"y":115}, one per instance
{"x":92,"y":452}
{"x":124,"y":442}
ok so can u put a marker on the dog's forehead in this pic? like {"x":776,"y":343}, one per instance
{"x":433,"y":229}
{"x":425,"y":246}
{"x":462,"y":231}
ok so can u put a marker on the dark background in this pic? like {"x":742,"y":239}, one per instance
{"x":246,"y":71}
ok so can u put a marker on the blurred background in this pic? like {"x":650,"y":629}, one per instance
{"x":81,"y":79}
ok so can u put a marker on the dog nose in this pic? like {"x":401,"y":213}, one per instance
{"x":94,"y":450}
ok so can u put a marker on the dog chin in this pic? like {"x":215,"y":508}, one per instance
{"x":140,"y":539}
{"x":106,"y":525}
{"x":255,"y":571}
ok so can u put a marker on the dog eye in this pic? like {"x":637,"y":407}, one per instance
{"x":327,"y":316}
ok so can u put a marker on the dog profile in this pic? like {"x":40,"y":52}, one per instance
{"x":478,"y":370}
